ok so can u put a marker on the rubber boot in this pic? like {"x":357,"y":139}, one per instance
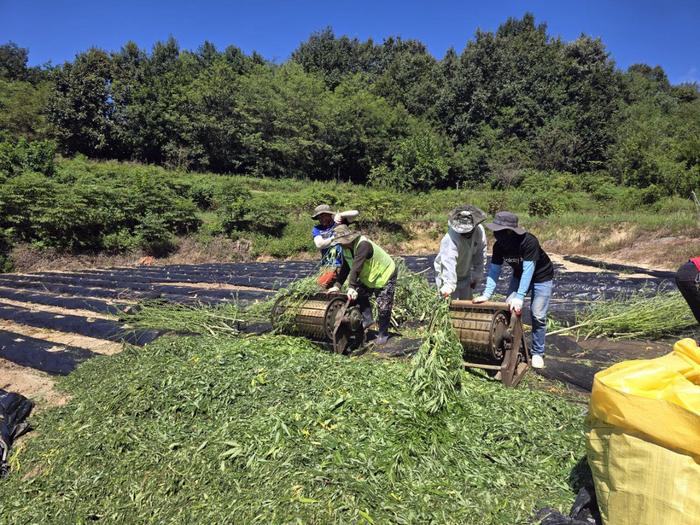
{"x":367,"y":318}
{"x":383,"y":333}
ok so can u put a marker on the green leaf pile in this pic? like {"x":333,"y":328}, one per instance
{"x":272,"y":429}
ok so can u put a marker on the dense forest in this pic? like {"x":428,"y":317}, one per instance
{"x":387,"y":113}
{"x":515,"y":105}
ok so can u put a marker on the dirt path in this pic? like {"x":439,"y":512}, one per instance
{"x":34,"y":385}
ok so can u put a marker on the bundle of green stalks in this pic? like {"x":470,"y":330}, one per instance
{"x":635,"y":316}
{"x":217,"y":320}
{"x":437,"y":367}
{"x":297,"y":293}
{"x":272,"y":429}
{"x":415,"y":299}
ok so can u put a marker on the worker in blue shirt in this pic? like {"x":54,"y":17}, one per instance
{"x":322,"y":233}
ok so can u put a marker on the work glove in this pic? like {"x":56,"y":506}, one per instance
{"x":352,"y":294}
{"x":447,"y":289}
{"x":334,"y":289}
{"x":338,"y":218}
{"x":480,"y":299}
{"x":511,"y":297}
{"x":515,"y":305}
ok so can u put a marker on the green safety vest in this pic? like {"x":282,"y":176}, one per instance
{"x":376,"y":271}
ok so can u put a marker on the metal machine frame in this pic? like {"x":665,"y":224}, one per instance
{"x":493,"y":339}
{"x":327,"y":318}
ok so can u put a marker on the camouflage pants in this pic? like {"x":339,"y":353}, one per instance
{"x":385,"y":296}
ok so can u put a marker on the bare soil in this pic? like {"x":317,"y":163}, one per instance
{"x":32,"y":384}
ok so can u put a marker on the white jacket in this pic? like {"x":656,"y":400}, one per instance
{"x":461,"y":261}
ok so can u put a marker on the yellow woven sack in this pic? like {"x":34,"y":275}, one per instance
{"x":643,"y":439}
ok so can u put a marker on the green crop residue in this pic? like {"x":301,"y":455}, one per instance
{"x":636,"y":315}
{"x":272,"y":429}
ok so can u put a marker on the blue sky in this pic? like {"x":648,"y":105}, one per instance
{"x":655,"y":32}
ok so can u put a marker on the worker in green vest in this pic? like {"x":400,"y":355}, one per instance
{"x":372,"y":272}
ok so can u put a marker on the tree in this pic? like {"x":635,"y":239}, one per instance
{"x":81,"y":104}
{"x":13,"y":65}
{"x":334,"y":58}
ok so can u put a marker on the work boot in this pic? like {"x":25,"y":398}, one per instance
{"x":383,"y":333}
{"x":367,"y":318}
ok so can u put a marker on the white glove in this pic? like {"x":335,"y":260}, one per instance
{"x":337,"y":218}
{"x":334,"y":289}
{"x":511,"y":297}
{"x":515,"y":305}
{"x":447,"y":289}
{"x":480,"y":299}
{"x":352,"y":294}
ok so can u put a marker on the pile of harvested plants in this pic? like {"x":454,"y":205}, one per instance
{"x":437,"y":367}
{"x":271,"y":429}
{"x":638,"y":315}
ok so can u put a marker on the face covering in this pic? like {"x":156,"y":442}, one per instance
{"x":507,"y":239}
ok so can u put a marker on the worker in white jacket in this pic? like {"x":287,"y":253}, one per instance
{"x":461,"y":263}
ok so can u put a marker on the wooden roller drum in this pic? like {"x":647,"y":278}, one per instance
{"x":321,"y":317}
{"x":492,"y":338}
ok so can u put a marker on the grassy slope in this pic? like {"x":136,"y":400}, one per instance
{"x":274,"y":430}
{"x":408,"y":223}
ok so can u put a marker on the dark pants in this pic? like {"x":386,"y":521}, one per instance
{"x":688,"y":282}
{"x":385,"y":296}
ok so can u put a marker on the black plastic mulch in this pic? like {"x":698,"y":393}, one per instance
{"x":14,"y":409}
{"x":40,"y":354}
{"x":98,"y":328}
{"x":89,"y":290}
{"x":70,"y":303}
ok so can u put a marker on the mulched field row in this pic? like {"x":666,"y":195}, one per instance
{"x":104,"y":291}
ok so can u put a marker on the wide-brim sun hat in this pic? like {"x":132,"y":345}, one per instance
{"x":343,"y":235}
{"x":505,"y":220}
{"x":321,"y":209}
{"x":464,"y":219}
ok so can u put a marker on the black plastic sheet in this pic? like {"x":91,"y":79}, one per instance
{"x":97,"y":328}
{"x":40,"y":354}
{"x":70,"y":303}
{"x":14,"y":409}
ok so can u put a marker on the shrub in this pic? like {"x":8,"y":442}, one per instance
{"x":232,"y":205}
{"x":25,"y":156}
{"x":608,"y":192}
{"x":541,"y":205}
{"x":266,"y":216}
{"x":154,"y":237}
{"x":122,"y":240}
{"x":293,"y":239}
{"x":381,"y":208}
{"x":500,"y":201}
{"x":5,"y":260}
{"x":203,"y":193}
